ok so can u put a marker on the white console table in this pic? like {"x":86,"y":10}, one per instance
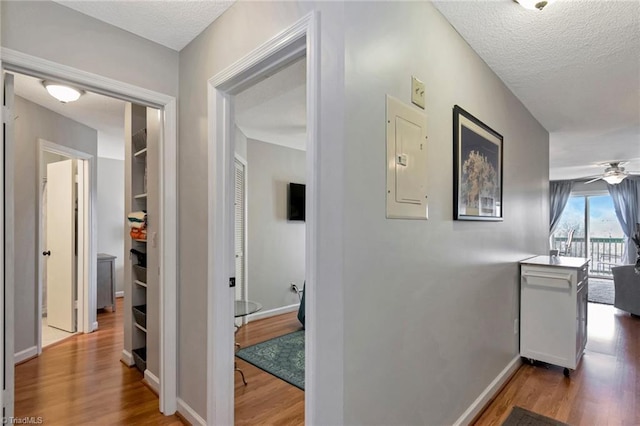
{"x":553,"y":310}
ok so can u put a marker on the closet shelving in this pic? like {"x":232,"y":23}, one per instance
{"x":142,"y":294}
{"x":139,"y":265}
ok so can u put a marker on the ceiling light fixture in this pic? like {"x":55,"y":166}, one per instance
{"x":534,"y":4}
{"x":62,"y":92}
{"x":614,"y":178}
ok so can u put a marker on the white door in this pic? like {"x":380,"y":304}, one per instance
{"x":240,"y":229}
{"x":60,"y":249}
{"x":6,"y":250}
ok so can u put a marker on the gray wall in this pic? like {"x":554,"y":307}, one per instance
{"x":430,"y":305}
{"x":111,"y":217}
{"x":276,"y":246}
{"x":51,"y":31}
{"x":219,"y":46}
{"x":35,"y":122}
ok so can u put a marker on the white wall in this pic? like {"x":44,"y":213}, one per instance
{"x":111,"y":215}
{"x":225,"y":41}
{"x":276,"y":246}
{"x":35,"y":122}
{"x":111,"y":145}
{"x":240,"y":142}
{"x":51,"y":31}
{"x":430,"y":305}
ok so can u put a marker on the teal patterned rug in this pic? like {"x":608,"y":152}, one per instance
{"x":283,"y":357}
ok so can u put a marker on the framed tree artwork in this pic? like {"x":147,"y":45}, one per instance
{"x":477,"y":169}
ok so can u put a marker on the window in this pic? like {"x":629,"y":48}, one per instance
{"x":596,"y":232}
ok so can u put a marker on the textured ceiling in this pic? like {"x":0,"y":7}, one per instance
{"x":170,"y":23}
{"x":99,"y":112}
{"x":575,"y":65}
{"x":274,"y":110}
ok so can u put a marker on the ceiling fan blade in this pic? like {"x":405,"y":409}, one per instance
{"x":593,"y":180}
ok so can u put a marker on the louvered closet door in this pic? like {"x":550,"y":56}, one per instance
{"x":240,"y":228}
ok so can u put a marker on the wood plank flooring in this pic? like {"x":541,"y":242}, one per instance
{"x":266,"y":400}
{"x":604,"y":390}
{"x":81,"y":381}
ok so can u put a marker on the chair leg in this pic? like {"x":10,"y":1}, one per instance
{"x":241,"y":374}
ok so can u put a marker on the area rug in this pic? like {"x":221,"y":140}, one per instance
{"x":601,"y":291}
{"x":283,"y":357}
{"x":521,"y":417}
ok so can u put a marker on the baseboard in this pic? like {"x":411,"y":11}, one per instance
{"x":494,"y":387}
{"x":127,"y":358}
{"x":25,"y":355}
{"x":152,"y":381}
{"x":188,"y":414}
{"x":95,"y":326}
{"x":119,"y":294}
{"x":273,"y":312}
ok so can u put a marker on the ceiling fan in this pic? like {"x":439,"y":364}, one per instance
{"x":614,"y":173}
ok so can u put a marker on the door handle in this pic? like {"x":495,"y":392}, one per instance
{"x":46,"y":253}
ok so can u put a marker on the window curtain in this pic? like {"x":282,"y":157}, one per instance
{"x":625,"y":202}
{"x":559,"y":192}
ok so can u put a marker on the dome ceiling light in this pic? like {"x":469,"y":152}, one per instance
{"x":62,"y":92}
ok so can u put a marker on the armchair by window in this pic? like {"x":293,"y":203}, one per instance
{"x":627,"y":289}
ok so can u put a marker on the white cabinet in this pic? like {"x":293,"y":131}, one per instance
{"x":553,"y":309}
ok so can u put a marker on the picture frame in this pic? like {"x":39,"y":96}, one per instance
{"x":477,"y":169}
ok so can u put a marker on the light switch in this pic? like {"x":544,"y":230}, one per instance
{"x":417,"y":92}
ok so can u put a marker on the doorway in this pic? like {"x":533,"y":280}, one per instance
{"x":270,"y":132}
{"x":595,"y":232}
{"x":167,"y":217}
{"x":64,"y":211}
{"x":63,"y":214}
{"x":292,"y":44}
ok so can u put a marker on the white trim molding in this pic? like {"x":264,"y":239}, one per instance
{"x":31,"y":65}
{"x":190,"y":414}
{"x":273,"y":312}
{"x":127,"y":358}
{"x":298,"y":41}
{"x":490,"y":391}
{"x":152,"y":380}
{"x":26,"y":354}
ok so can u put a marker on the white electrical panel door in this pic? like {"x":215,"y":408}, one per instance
{"x":406,"y":161}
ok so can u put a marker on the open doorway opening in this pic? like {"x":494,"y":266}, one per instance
{"x":289,"y":46}
{"x":71,"y":213}
{"x":270,"y":243}
{"x":62,"y":216}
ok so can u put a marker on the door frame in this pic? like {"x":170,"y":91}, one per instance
{"x":86,"y":299}
{"x":7,"y":251}
{"x":12,"y":60}
{"x":297,"y":41}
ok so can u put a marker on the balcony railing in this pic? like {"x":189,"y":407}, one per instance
{"x":604,"y":252}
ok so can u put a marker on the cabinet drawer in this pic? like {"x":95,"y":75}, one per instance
{"x":546,"y":277}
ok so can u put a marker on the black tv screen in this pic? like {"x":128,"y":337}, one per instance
{"x":295,"y":210}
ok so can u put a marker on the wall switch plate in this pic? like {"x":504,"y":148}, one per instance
{"x":417,"y":92}
{"x":516,"y":326}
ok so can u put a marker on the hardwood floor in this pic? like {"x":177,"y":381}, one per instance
{"x":82,"y":381}
{"x":604,"y":390}
{"x":266,"y":400}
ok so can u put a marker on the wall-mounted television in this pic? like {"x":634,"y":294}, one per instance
{"x":296,"y":200}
